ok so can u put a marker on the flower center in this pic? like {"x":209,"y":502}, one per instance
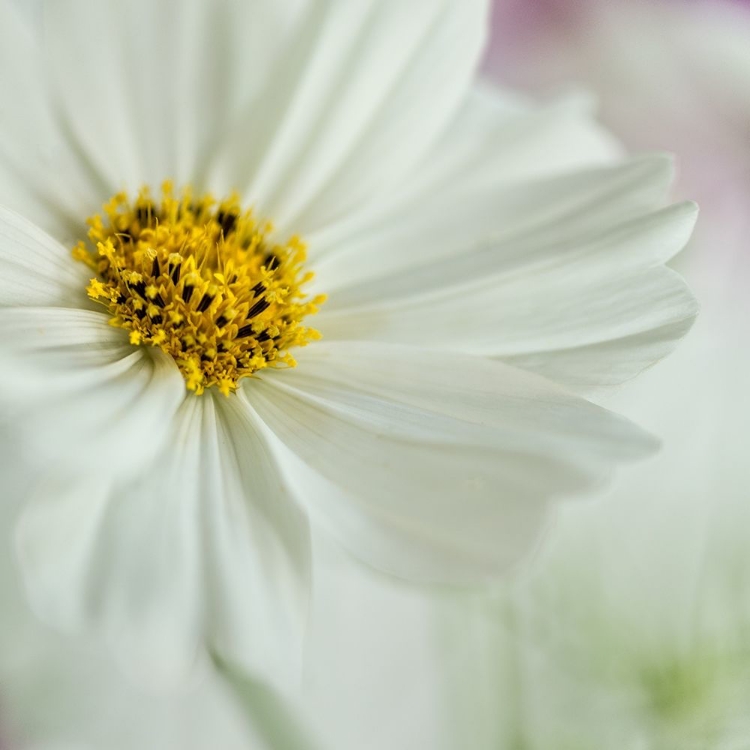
{"x":203,"y":281}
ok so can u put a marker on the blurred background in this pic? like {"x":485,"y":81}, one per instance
{"x":630,"y":630}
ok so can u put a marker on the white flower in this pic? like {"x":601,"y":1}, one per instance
{"x":473,"y":249}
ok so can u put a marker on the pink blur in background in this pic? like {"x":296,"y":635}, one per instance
{"x":668,"y":75}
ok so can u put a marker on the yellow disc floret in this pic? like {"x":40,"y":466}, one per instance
{"x":203,"y":281}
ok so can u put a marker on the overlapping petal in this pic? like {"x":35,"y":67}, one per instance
{"x":432,"y":466}
{"x":359,"y":95}
{"x":308,"y":107}
{"x":201,"y":547}
{"x":573,"y":288}
{"x":35,"y":270}
{"x":147,"y":90}
{"x":79,"y":395}
{"x":40,"y":174}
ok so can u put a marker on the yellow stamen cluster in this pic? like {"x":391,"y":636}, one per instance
{"x":201,"y":280}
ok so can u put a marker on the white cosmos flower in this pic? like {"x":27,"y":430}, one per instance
{"x":478,"y":255}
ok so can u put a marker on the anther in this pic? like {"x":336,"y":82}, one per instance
{"x":179,"y":259}
{"x":258,"y":308}
{"x":227,"y":221}
{"x":143,"y":214}
{"x":205,"y":302}
{"x":271,"y":262}
{"x":245,"y":331}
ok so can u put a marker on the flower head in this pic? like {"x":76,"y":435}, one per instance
{"x":201,"y":281}
{"x":484,"y":261}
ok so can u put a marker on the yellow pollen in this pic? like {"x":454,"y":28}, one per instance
{"x":201,"y":280}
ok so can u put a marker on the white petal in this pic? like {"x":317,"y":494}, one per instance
{"x":504,"y":225}
{"x":621,"y":328}
{"x":493,"y":144}
{"x":355,"y":98}
{"x":430,"y":466}
{"x":579,"y":298}
{"x":36,"y":270}
{"x":167,"y":81}
{"x":201,"y":550}
{"x":257,"y":547}
{"x":79,"y":394}
{"x":40,"y":175}
{"x":128,"y":565}
{"x":315,"y":87}
{"x":585,"y":320}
